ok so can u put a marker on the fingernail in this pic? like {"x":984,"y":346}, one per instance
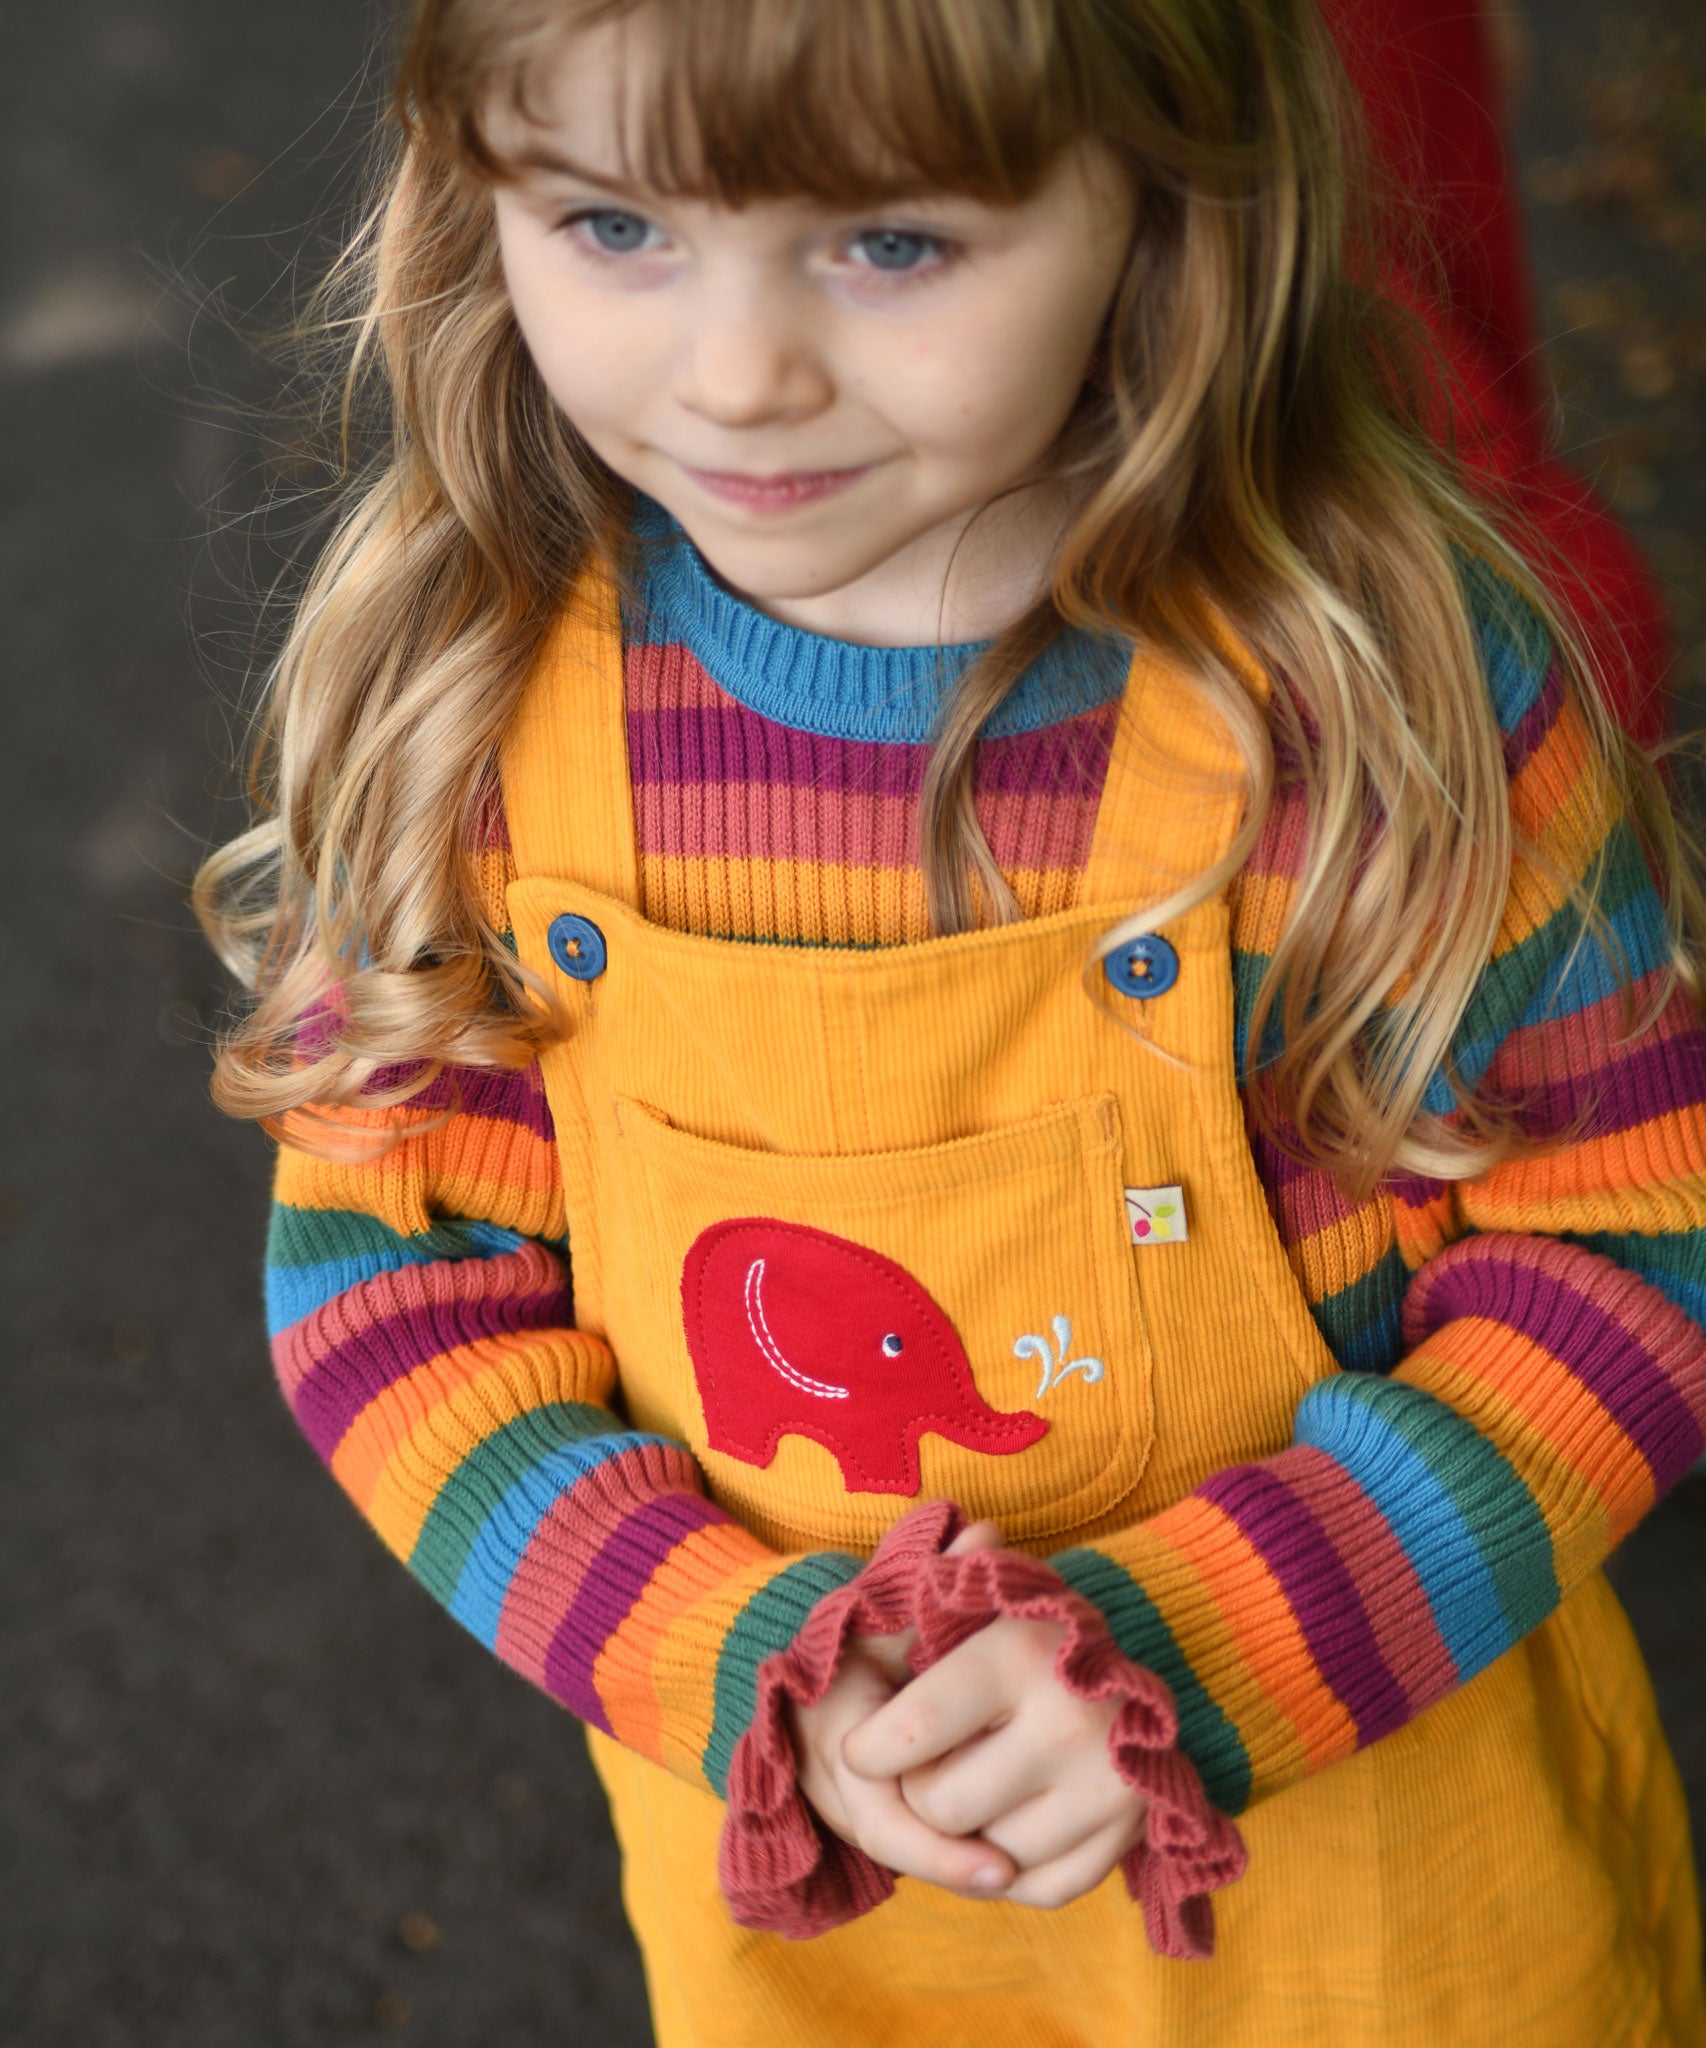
{"x":991,"y":1878}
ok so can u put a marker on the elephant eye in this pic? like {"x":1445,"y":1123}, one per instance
{"x":892,"y":1346}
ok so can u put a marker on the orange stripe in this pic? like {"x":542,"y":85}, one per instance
{"x":626,"y":1671}
{"x":489,"y":1381}
{"x":1556,"y":1435}
{"x":1571,"y":1189}
{"x":1250,"y":1597}
{"x":681,"y":1670}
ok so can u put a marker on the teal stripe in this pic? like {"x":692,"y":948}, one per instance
{"x":1207,"y":1737}
{"x":1361,"y":1322}
{"x":1548,"y":975}
{"x":768,"y":1622}
{"x":1674,"y":1261}
{"x":474,"y":1490}
{"x":1247,"y":972}
{"x":1463,"y":1515}
{"x":1516,"y":649}
{"x":315,"y":1254}
{"x":1518,"y":985}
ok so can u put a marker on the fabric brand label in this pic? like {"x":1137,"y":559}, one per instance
{"x":1156,"y":1215}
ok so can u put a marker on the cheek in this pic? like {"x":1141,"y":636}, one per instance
{"x":997,"y":385}
{"x":588,"y":359}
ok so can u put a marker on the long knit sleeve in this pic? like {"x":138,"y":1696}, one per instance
{"x":422,"y":1331}
{"x":1526,"y":1364}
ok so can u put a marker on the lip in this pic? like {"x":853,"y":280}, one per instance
{"x":774,"y":493}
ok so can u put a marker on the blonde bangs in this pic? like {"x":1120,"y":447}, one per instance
{"x":749,"y":100}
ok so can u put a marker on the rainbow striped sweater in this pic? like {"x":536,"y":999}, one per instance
{"x":1524,"y":1364}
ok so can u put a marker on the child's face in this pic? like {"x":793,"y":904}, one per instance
{"x":934,"y":347}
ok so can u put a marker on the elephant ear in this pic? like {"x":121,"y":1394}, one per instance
{"x":782,"y":1871}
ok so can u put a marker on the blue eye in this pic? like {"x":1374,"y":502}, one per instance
{"x":614,"y":232}
{"x":892,"y":1346}
{"x":895,"y":249}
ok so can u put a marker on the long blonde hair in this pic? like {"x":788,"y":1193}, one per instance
{"x":1255,"y":463}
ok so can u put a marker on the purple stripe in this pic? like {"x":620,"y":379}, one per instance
{"x":1536,"y":722}
{"x":1320,"y":1592}
{"x":1603,"y":1352}
{"x":514,"y":1095}
{"x":1414,"y":1190}
{"x":694,"y":745}
{"x":1632,"y":1089}
{"x":625,"y":1564}
{"x":1280,"y":1174}
{"x":356,"y":1372}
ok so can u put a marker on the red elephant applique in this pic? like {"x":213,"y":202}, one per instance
{"x":795,"y":1332}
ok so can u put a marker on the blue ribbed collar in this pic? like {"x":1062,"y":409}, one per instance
{"x":838,"y":688}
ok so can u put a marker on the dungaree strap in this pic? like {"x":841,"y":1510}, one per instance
{"x":1174,"y":792}
{"x":568,"y":792}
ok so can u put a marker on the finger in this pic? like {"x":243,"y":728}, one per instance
{"x":980,"y":1782}
{"x":1069,"y":1877}
{"x":952,"y":1702}
{"x":886,"y":1828}
{"x":860,"y":1689}
{"x":1066,"y":1815}
{"x":889,"y":1654}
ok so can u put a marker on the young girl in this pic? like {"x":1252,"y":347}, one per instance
{"x":994,"y":1139}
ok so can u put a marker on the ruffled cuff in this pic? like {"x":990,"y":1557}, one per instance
{"x":783,"y":1871}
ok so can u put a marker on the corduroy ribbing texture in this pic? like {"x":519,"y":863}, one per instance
{"x":1441,"y":1496}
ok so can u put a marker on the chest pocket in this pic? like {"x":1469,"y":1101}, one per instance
{"x":837,"y":1336}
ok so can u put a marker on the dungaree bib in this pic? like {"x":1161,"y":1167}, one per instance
{"x":969,"y":1111}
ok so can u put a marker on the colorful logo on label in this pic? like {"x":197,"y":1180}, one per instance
{"x":1156,"y":1215}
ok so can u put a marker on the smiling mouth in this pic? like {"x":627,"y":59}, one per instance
{"x":793,"y":487}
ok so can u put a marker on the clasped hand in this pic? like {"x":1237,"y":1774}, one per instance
{"x":984,"y":1775}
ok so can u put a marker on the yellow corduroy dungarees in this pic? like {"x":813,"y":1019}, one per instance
{"x":1510,"y":1868}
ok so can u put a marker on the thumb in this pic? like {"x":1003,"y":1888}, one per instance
{"x":975,"y":1536}
{"x":890,"y":1653}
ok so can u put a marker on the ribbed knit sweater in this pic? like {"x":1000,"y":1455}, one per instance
{"x":1524,"y":1363}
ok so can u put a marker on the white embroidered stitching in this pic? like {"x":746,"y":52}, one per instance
{"x":1057,"y":1366}
{"x":758,"y":1324}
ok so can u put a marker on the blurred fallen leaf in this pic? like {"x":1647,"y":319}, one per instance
{"x":418,"y":1933}
{"x":1556,"y":180}
{"x":220,"y":173}
{"x":1579,"y":304}
{"x":1647,"y":370}
{"x":132,"y":1343}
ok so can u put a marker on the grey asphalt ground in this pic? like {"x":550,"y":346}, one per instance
{"x":257,"y":1791}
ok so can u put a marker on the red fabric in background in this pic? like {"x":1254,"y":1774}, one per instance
{"x":1425,"y":72}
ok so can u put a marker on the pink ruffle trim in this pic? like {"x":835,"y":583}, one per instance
{"x":784,"y":1872}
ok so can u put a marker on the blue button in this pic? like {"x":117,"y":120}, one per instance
{"x":577,"y":946}
{"x":1143,"y":967}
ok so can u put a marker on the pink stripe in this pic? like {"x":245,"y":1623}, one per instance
{"x":1386,"y":1581}
{"x":458,"y":1296}
{"x":776,"y":822}
{"x":550,"y":1572}
{"x":1536,"y":1055}
{"x":1308,"y":1198}
{"x":668,"y":678}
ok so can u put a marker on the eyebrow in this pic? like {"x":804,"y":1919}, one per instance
{"x":540,"y":157}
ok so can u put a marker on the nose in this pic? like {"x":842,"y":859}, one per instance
{"x":749,"y":359}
